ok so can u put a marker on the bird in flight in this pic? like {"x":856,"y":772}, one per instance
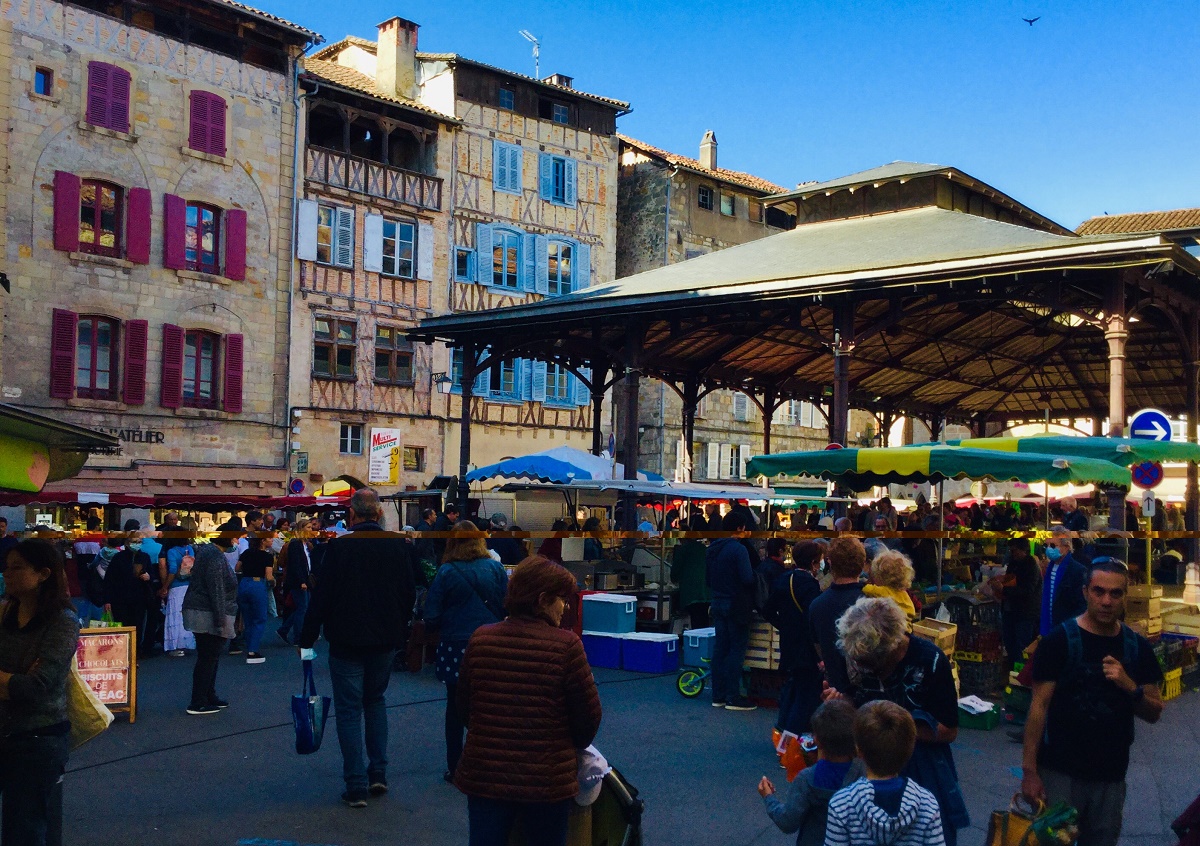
{"x":1032,"y":21}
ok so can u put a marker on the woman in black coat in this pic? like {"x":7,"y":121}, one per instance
{"x":125,"y":584}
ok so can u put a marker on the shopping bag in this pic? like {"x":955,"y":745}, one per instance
{"x":87,"y":714}
{"x":309,"y":712}
{"x":1025,"y":824}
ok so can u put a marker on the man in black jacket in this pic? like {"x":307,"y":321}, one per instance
{"x":363,"y":600}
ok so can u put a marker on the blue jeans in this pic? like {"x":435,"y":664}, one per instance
{"x":729,"y":648}
{"x":491,"y":821}
{"x":359,"y":684}
{"x":294,"y":623}
{"x":252,"y":600}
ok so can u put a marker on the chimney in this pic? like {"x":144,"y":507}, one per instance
{"x":559,"y":79}
{"x":708,"y":151}
{"x":396,"y":58}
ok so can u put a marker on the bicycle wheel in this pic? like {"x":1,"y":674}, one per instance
{"x":690,"y":683}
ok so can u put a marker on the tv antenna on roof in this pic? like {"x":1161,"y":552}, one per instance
{"x":532,"y":39}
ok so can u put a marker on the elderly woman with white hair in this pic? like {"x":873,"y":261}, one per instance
{"x":885,"y":662}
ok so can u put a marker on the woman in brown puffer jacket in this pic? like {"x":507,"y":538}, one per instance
{"x":527,"y":696}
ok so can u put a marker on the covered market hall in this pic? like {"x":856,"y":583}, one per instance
{"x":908,"y":289}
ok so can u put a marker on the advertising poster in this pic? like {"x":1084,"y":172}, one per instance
{"x":106,"y":662}
{"x":384,"y":467}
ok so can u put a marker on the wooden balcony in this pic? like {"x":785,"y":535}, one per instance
{"x":340,"y":170}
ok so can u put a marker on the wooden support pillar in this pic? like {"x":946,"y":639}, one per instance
{"x":464,"y":432}
{"x":630,"y":446}
{"x":691,"y":394}
{"x":768,"y":411}
{"x":887,"y":418}
{"x":1116,"y":333}
{"x":843,"y":347}
{"x":599,"y":380}
{"x":384,"y":133}
{"x":935,"y":428}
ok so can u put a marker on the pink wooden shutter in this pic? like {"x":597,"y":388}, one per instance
{"x":137,"y":226}
{"x":216,"y":125}
{"x":234,"y":347}
{"x":66,"y":211}
{"x":235,"y":244}
{"x":64,"y":325}
{"x":98,"y":93}
{"x":172,"y":366}
{"x":174,"y":232}
{"x":198,"y":121}
{"x":133,"y":386}
{"x":118,"y":101}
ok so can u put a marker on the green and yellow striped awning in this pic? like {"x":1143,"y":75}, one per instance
{"x":860,"y":468}
{"x":1123,"y":451}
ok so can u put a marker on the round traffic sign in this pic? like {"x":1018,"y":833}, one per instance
{"x":296,"y":486}
{"x":1150,"y":424}
{"x":834,"y":446}
{"x":1148,"y":474}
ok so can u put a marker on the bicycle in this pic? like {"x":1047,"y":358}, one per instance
{"x":690,"y":681}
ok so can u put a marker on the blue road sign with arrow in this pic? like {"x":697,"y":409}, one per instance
{"x":1150,"y":424}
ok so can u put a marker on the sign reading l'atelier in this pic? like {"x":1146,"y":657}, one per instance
{"x":137,"y":436}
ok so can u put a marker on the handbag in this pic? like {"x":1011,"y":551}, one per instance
{"x":309,"y":712}
{"x":87,"y":714}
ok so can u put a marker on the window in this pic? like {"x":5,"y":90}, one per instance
{"x":741,"y":407}
{"x":559,"y":191}
{"x":350,"y":439}
{"x":99,"y":218}
{"x":202,"y":239}
{"x":333,"y":348}
{"x":96,"y":358}
{"x":200,"y":369}
{"x":456,"y":368}
{"x":558,"y":384}
{"x":414,"y":459}
{"x":505,"y":99}
{"x":701,"y":408}
{"x":807,"y":416}
{"x":557,"y":179}
{"x":398,"y":239}
{"x":506,"y":167}
{"x":552,"y":111}
{"x":335,"y":236}
{"x":755,"y":211}
{"x":504,"y":382}
{"x":704,"y":197}
{"x":561,"y":114}
{"x":732,"y":470}
{"x":108,"y":96}
{"x":727,"y":206}
{"x":206,"y":123}
{"x":43,"y":82}
{"x":393,"y":356}
{"x":506,"y":255}
{"x":559,"y":267}
{"x":464,"y":264}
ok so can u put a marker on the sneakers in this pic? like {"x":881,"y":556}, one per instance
{"x":236,"y":649}
{"x":197,"y":710}
{"x":283,"y":636}
{"x":219,"y":703}
{"x":718,"y":703}
{"x":355,"y":798}
{"x":255,"y":658}
{"x":740,"y":704}
{"x":177,"y":653}
{"x":448,"y":777}
{"x":378,"y":787}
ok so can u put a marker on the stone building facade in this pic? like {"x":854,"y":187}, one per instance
{"x":147,"y":236}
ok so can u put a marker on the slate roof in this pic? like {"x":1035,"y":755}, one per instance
{"x":1161,"y":221}
{"x":745,"y":180}
{"x":361,"y":83}
{"x":315,"y":37}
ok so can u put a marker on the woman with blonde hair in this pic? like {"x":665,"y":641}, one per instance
{"x":467,"y":592}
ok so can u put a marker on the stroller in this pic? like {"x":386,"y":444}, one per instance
{"x":614,"y":819}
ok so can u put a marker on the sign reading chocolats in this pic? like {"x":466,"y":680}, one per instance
{"x":107,"y":662}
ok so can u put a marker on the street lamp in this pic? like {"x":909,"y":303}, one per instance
{"x":443,"y":382}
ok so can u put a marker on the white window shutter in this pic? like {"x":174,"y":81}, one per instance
{"x":545,"y":176}
{"x":724,"y":459}
{"x":741,"y":407}
{"x":306,"y":230}
{"x":537,"y":390}
{"x":712,"y":462}
{"x":582,"y":395}
{"x":425,"y":251}
{"x":529,"y":248}
{"x":569,"y":192}
{"x":483,"y":253}
{"x":743,"y":459}
{"x":542,"y":254}
{"x":344,"y":238}
{"x":373,"y":243}
{"x":581,"y":267}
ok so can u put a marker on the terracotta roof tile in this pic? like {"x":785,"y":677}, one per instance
{"x":1162,"y":221}
{"x":258,"y":13}
{"x":745,"y":180}
{"x":360,"y":82}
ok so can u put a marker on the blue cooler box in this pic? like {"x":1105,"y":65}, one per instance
{"x":603,"y":649}
{"x":609,"y":612}
{"x":698,"y":646}
{"x":647,"y":652}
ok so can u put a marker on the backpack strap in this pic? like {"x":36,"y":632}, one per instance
{"x":1131,"y":647}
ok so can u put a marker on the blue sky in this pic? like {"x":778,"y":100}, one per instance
{"x":1090,"y":110}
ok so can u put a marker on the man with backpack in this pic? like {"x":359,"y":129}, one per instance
{"x":1091,"y":676}
{"x":731,"y":578}
{"x":792,"y":592}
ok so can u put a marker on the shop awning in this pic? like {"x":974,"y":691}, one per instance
{"x":35,"y":449}
{"x":872,"y":466}
{"x":1123,"y":451}
{"x":76,"y":498}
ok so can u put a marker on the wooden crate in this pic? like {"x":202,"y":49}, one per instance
{"x":1143,"y":609}
{"x":762,"y":651}
{"x":1144,"y":592}
{"x":942,"y":635}
{"x":1182,"y":622}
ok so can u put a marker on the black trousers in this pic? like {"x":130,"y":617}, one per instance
{"x":454,"y":730}
{"x":31,"y":770}
{"x":204,"y":676}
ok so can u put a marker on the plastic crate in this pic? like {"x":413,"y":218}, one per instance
{"x":942,"y":635}
{"x":603,"y":649}
{"x":971,"y":612}
{"x":1172,"y":684}
{"x":1017,"y":699}
{"x":986,"y":721}
{"x":609,"y":612}
{"x":980,"y":679}
{"x":648,"y":652}
{"x":698,"y":646}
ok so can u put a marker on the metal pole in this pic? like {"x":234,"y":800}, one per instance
{"x":464,"y":432}
{"x":942,"y":529}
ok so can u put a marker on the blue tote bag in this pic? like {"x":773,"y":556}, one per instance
{"x":309,"y":712}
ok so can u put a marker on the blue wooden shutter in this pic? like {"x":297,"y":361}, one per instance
{"x":516,"y":165}
{"x":543,"y":265}
{"x":499,"y":166}
{"x":546,"y":176}
{"x":582,"y":395}
{"x":569,"y":190}
{"x":483,"y":380}
{"x":524,"y":377}
{"x":529,"y":248}
{"x":483,"y":253}
{"x":537,"y":391}
{"x":581,"y":267}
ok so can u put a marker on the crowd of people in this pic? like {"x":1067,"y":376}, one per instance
{"x":521,"y":702}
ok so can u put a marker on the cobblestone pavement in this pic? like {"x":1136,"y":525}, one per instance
{"x":171,"y":778}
